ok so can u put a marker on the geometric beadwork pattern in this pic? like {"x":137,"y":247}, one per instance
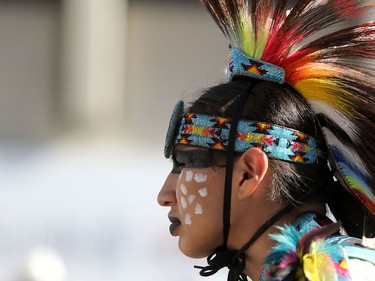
{"x":277,"y":142}
{"x":242,"y":65}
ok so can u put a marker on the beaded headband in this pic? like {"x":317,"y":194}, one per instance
{"x":212,"y":132}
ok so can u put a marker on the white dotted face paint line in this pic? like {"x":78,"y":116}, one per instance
{"x":180,"y":176}
{"x":198,"y":209}
{"x":203,"y":192}
{"x":183,"y":202}
{"x":200,"y":178}
{"x":188,"y":219}
{"x":191,"y":198}
{"x":183,"y":189}
{"x":189,"y":176}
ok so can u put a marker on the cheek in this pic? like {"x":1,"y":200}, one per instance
{"x":192,"y":195}
{"x":200,"y":178}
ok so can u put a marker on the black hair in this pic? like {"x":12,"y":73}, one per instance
{"x":283,"y":105}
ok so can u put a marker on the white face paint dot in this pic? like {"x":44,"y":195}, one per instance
{"x":189,"y":176}
{"x":203,"y":192}
{"x":198,"y":209}
{"x":188,"y":219}
{"x":191,"y":198}
{"x":183,"y":203}
{"x":180,"y":176}
{"x":183,"y":189}
{"x":200,"y":178}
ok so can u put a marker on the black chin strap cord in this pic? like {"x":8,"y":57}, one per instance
{"x":230,"y":160}
{"x":235,"y":259}
{"x":223,"y":257}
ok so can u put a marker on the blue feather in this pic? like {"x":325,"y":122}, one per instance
{"x":355,"y":171}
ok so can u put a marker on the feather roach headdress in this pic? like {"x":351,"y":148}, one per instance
{"x":320,"y":48}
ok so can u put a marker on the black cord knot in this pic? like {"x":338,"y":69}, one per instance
{"x":225,"y":258}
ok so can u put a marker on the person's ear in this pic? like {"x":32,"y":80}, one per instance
{"x":253,"y":166}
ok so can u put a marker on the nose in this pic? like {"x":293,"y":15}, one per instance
{"x":167,"y":194}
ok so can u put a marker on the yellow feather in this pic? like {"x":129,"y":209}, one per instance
{"x":318,"y":266}
{"x":327,"y":92}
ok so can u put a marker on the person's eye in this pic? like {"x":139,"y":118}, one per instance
{"x":177,"y":167}
{"x":192,"y":159}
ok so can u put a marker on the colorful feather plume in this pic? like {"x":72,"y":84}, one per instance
{"x":308,"y":255}
{"x":328,"y":57}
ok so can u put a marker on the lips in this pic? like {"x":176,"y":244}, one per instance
{"x":175,"y":223}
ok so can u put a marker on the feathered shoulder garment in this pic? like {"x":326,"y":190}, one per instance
{"x":313,"y":249}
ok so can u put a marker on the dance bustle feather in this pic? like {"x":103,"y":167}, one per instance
{"x":334,"y":73}
{"x":307,"y":254}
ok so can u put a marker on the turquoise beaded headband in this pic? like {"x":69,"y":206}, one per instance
{"x":212,"y":132}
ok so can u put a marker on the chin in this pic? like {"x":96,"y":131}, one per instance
{"x":194,"y":251}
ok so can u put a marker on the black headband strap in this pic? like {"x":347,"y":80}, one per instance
{"x":230,"y":160}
